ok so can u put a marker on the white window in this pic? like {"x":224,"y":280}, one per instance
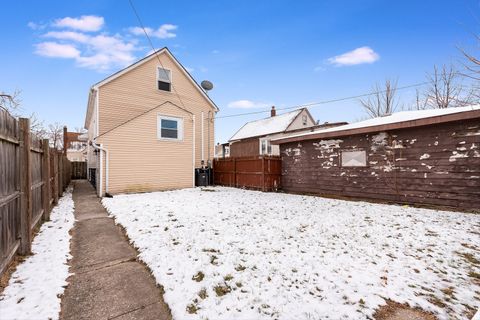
{"x":169,"y":128}
{"x":164,"y":79}
{"x":265,"y":147}
{"x":352,"y":158}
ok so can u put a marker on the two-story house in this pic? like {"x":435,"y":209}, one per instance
{"x":149,"y":126}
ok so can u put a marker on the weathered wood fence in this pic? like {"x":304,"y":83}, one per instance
{"x":79,"y":169}
{"x":33,"y":177}
{"x":260,"y":173}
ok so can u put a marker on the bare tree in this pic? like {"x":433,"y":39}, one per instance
{"x":383,"y":101}
{"x":446,"y":89}
{"x":421,"y":102}
{"x":55,"y":134}
{"x":12,"y":103}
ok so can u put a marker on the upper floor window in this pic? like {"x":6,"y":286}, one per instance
{"x":304,"y":119}
{"x":170,"y":128}
{"x":164,"y":79}
{"x":265,"y":147}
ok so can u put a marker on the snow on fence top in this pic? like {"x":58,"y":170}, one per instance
{"x":266,"y":126}
{"x":397,"y":117}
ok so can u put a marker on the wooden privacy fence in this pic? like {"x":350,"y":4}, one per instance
{"x":33,"y":177}
{"x":260,"y":173}
{"x":79,"y":169}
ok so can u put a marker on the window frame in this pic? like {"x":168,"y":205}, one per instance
{"x":268,"y":144}
{"x":180,"y":127}
{"x":158,"y":78}
{"x":353,"y":150}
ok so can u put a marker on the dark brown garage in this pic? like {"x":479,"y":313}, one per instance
{"x":420,"y":157}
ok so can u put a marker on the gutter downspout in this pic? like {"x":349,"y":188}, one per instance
{"x":193,"y":151}
{"x":100,"y":148}
{"x":203,"y":143}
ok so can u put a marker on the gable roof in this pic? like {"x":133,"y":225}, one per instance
{"x":398,"y":120}
{"x":256,"y":128}
{"x":151,"y":56}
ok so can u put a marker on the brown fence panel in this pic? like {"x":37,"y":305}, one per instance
{"x":36,"y":158}
{"x":79,"y":169}
{"x":29,"y":184}
{"x":260,"y":173}
{"x":9,"y":188}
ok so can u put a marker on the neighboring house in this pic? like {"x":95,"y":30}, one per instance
{"x":253,"y":139}
{"x":150,"y":126}
{"x":222,"y":150}
{"x":423,"y":157}
{"x":75,"y":144}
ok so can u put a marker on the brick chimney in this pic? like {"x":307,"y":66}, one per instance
{"x":273,"y":112}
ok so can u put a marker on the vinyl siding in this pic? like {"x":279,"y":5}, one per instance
{"x":136,"y":92}
{"x":139,"y":162}
{"x":128,"y":109}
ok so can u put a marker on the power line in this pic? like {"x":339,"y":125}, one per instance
{"x":155,"y":52}
{"x":314,"y":104}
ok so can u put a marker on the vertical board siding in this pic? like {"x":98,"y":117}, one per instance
{"x":259,"y":173}
{"x":435,"y":165}
{"x":245,"y":148}
{"x":10,"y":187}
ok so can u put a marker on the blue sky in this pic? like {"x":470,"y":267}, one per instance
{"x":257,"y":53}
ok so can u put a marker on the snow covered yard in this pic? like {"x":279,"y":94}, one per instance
{"x":231,"y":253}
{"x":34,"y":289}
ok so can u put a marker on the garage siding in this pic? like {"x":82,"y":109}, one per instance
{"x":436,"y":164}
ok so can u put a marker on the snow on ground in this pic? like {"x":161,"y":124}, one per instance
{"x":237,"y":254}
{"x":35,"y":287}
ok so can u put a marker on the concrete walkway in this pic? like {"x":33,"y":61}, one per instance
{"x":108,"y":281}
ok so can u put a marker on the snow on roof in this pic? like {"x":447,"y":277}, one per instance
{"x":397,"y":117}
{"x":266,"y":126}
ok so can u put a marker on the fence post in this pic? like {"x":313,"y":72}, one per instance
{"x":235,"y":172}
{"x":25,"y":188}
{"x":60,"y":173}
{"x":263,"y":173}
{"x":46,"y":179}
{"x":55,"y":177}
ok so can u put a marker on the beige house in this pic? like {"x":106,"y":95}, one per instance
{"x":149,"y":126}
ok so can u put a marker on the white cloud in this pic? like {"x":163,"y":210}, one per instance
{"x":68,"y":35}
{"x":82,"y":40}
{"x":165,"y":31}
{"x":57,"y":50}
{"x":100,"y":52}
{"x":358,"y":56}
{"x":247,"y":104}
{"x":84,"y":23}
{"x":190,"y":70}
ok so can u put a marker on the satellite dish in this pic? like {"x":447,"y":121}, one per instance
{"x":206,"y":85}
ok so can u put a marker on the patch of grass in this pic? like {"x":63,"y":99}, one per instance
{"x":222,"y":289}
{"x":208,"y":190}
{"x":210,"y":250}
{"x":203,"y":293}
{"x":240,"y":268}
{"x":213,"y":260}
{"x":192,"y":308}
{"x":469,"y":257}
{"x":228,"y":277}
{"x":474,"y":274}
{"x":199,"y":276}
{"x":239,"y":284}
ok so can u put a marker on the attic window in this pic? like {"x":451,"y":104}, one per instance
{"x":304,"y":120}
{"x":356,"y":158}
{"x":164,"y":79}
